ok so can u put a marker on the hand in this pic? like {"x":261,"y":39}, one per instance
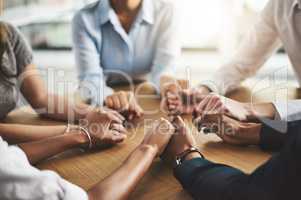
{"x":229,"y":130}
{"x":125,"y":103}
{"x":171,"y":97}
{"x":185,"y":100}
{"x":180,"y":142}
{"x":105,"y":127}
{"x":159,"y":135}
{"x":216,"y":104}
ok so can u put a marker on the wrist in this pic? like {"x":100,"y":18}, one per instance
{"x":253,"y":130}
{"x":203,"y":90}
{"x":147,"y":148}
{"x":192,"y":155}
{"x":80,"y":139}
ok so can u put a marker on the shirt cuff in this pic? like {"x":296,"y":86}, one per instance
{"x":212,"y":87}
{"x":72,"y":192}
{"x":288,"y":110}
{"x":281,"y":110}
{"x":185,"y":173}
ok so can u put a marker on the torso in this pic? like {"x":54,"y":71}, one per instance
{"x":288,"y":23}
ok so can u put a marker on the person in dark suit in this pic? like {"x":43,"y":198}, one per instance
{"x":278,"y":178}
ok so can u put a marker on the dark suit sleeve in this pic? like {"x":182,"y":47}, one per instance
{"x":203,"y":179}
{"x":273,"y":140}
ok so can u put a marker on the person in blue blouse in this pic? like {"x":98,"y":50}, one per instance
{"x":117,"y":41}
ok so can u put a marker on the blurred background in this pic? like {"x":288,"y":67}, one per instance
{"x":210,"y":34}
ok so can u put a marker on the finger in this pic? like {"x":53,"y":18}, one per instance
{"x":172,"y":96}
{"x":116,"y":101}
{"x":171,"y":101}
{"x":209,"y":123}
{"x":211,"y":103}
{"x":109,"y":102}
{"x":116,"y":137}
{"x":202,"y":105}
{"x":119,"y":128}
{"x":140,"y":111}
{"x":216,"y":108}
{"x":114,"y":118}
{"x":124,"y":101}
{"x":179,"y":123}
{"x":118,"y":115}
{"x":165,"y":125}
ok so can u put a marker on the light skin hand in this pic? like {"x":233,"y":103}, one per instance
{"x":216,"y":104}
{"x":229,"y":130}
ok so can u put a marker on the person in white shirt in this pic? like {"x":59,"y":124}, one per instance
{"x":20,"y":180}
{"x":279,"y":24}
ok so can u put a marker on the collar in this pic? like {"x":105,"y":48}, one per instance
{"x":298,"y":2}
{"x":103,"y":11}
{"x":106,"y":13}
{"x":147,"y":11}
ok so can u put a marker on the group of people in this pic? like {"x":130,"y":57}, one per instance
{"x":119,"y":39}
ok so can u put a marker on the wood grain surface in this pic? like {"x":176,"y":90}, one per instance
{"x":87,"y":168}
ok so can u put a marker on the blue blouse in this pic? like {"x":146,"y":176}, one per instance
{"x":105,"y":52}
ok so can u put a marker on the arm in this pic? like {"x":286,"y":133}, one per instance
{"x":272,"y":139}
{"x":43,"y":149}
{"x":91,"y":76}
{"x":256,"y":48}
{"x":127,"y":176}
{"x":136,"y":165}
{"x":167,"y":49}
{"x":15,"y":133}
{"x":46,"y":104}
{"x":32,"y":86}
{"x":31,"y":182}
{"x":282,"y":111}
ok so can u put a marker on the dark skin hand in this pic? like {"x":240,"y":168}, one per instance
{"x":182,"y":140}
{"x":184,"y":101}
{"x":105,"y":128}
{"x":126,"y":104}
{"x":136,"y":165}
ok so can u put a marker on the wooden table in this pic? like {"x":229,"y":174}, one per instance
{"x":86,"y":169}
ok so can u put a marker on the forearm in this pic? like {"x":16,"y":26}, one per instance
{"x":126,"y":177}
{"x":63,"y":108}
{"x":260,"y":110}
{"x":15,"y":133}
{"x":43,"y":149}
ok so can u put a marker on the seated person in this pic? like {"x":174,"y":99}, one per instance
{"x":278,"y":25}
{"x":19,"y":76}
{"x":277,"y":179}
{"x":118,"y":41}
{"x":19,"y":180}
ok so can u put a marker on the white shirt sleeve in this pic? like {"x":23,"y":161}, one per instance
{"x":261,"y":41}
{"x":288,"y":110}
{"x":19,"y":180}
